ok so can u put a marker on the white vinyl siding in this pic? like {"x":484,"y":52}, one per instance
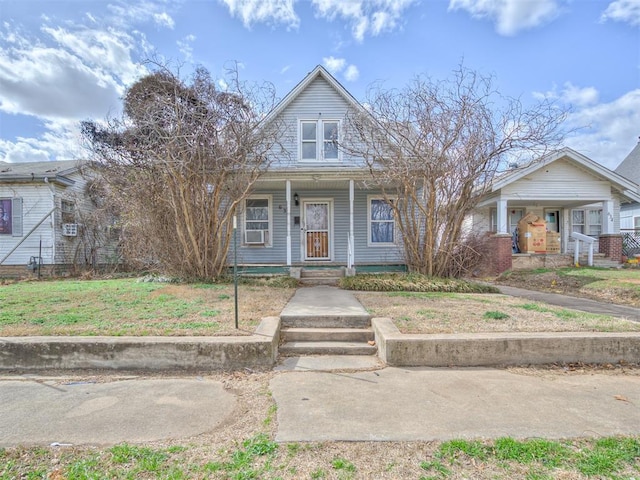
{"x":319,"y":140}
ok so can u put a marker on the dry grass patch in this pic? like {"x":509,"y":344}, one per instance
{"x":128,"y":307}
{"x":424,"y":313}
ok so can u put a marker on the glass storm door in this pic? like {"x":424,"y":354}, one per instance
{"x":316,"y":230}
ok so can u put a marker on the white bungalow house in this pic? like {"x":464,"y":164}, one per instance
{"x":42,"y":207}
{"x":571,"y":192}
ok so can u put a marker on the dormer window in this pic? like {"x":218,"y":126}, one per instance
{"x":319,"y":140}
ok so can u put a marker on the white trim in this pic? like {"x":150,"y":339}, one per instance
{"x":319,"y":141}
{"x":268,"y":243}
{"x":288,"y":213}
{"x":395,"y":228}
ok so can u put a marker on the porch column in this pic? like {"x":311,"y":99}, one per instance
{"x":288,"y":210}
{"x":607,"y":217}
{"x":351,"y":248}
{"x":502,"y":226}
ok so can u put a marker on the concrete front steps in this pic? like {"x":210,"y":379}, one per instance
{"x":321,"y":276}
{"x":326,"y":335}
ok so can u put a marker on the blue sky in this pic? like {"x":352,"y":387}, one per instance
{"x":66,"y":61}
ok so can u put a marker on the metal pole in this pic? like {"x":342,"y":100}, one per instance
{"x":235,"y":266}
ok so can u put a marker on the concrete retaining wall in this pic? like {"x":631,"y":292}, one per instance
{"x":145,"y":353}
{"x":491,"y":349}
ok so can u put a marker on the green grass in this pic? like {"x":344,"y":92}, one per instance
{"x":259,"y":457}
{"x":495,"y":315}
{"x":412,"y":283}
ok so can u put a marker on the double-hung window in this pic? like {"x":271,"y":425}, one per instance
{"x":587,"y":222}
{"x":382,"y":223}
{"x":319,"y":140}
{"x":11,"y":216}
{"x":257,"y":221}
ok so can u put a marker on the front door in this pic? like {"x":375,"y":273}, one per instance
{"x":316,"y":230}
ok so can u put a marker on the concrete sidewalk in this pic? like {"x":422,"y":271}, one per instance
{"x":323,"y":300}
{"x":40,"y":411}
{"x":390,"y":404}
{"x":412,"y":404}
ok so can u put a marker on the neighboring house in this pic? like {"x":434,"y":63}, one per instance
{"x":313,"y":207}
{"x":568,"y":190}
{"x":44,"y":210}
{"x":630,"y":168}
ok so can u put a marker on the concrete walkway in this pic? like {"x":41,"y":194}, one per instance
{"x":575,"y":303}
{"x":323,"y":301}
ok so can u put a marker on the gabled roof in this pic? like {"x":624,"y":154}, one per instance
{"x":321,"y":72}
{"x":630,"y":166}
{"x":628,"y":187}
{"x":39,"y":171}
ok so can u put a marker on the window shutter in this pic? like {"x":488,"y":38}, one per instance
{"x":16,"y":217}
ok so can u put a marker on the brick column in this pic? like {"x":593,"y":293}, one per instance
{"x":611,"y":245}
{"x":501,"y":252}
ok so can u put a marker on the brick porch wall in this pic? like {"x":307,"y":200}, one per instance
{"x":500,"y":260}
{"x":611,"y":246}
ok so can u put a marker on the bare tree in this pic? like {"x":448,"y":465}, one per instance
{"x":179,"y":163}
{"x":438,"y":145}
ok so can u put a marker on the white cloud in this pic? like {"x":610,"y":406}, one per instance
{"x":623,"y":11}
{"x":108,"y":49}
{"x":606,"y":132}
{"x":334,"y":65}
{"x":61,"y":141}
{"x":51,"y":83}
{"x":367,"y":17}
{"x":263,"y":11}
{"x":70,"y":71}
{"x":164,"y":19}
{"x":352,"y":73}
{"x":185,"y":47}
{"x":572,"y":95}
{"x":510,"y":16}
{"x":124,"y":13}
{"x":338,"y":65}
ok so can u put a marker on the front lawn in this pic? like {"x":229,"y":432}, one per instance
{"x":130,"y":307}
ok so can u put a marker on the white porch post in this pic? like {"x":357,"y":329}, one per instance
{"x":607,"y":217}
{"x":501,"y":217}
{"x":288,"y":210}
{"x":351,"y":253}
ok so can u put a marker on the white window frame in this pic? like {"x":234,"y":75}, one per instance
{"x":636,"y":223}
{"x":319,"y":140}
{"x":586,"y":226}
{"x":493,"y":219}
{"x":268,"y":235}
{"x":371,"y":243}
